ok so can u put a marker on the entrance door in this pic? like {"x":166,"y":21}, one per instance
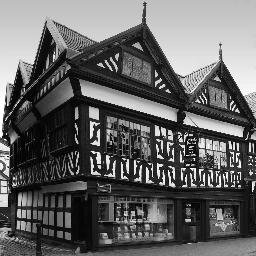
{"x":191,"y":221}
{"x":78,"y":218}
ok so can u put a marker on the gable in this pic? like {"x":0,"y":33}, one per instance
{"x":218,"y":91}
{"x":134,"y":60}
{"x":55,"y":39}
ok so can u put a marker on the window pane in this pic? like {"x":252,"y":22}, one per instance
{"x":208,"y":144}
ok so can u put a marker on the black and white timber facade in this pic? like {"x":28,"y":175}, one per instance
{"x":99,"y":150}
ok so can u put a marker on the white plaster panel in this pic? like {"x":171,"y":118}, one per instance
{"x":3,"y":200}
{"x":28,"y":121}
{"x":253,"y":137}
{"x":71,"y":186}
{"x":126,"y":100}
{"x":55,"y":98}
{"x":12,"y":135}
{"x":67,"y":220}
{"x":213,"y":125}
{"x":67,"y":236}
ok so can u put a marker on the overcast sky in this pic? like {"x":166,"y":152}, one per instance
{"x":187,"y":31}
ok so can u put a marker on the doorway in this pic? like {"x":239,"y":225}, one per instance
{"x":191,"y":221}
{"x":78,"y":218}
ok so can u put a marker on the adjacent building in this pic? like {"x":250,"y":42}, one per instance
{"x":110,"y":146}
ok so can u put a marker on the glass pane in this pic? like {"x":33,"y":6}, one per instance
{"x":216,"y":146}
{"x":223,"y":146}
{"x":208,"y":144}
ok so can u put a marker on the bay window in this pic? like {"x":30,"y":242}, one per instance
{"x":127,"y":139}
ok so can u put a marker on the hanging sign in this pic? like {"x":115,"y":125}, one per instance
{"x":106,"y":188}
{"x":191,"y":150}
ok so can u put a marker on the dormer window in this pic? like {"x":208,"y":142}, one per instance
{"x":52,"y":55}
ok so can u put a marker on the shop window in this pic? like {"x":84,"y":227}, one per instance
{"x":137,"y":68}
{"x":224,"y":218}
{"x":128,"y":139}
{"x":212,"y":153}
{"x":135,"y":219}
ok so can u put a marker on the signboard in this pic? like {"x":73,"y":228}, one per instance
{"x":191,"y":150}
{"x":106,"y":188}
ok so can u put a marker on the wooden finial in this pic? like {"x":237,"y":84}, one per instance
{"x":144,"y":14}
{"x":220,"y":52}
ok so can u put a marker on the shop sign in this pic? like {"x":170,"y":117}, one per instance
{"x":105,"y":188}
{"x":191,"y":150}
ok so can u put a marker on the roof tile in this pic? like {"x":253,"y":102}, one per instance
{"x":191,"y":81}
{"x":73,"y":39}
{"x":251,"y":100}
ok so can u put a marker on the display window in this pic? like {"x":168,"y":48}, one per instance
{"x":135,"y":219}
{"x":224,"y":218}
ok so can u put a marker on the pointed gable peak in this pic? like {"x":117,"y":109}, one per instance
{"x":251,"y":100}
{"x":193,"y":80}
{"x":26,"y":70}
{"x":70,"y":38}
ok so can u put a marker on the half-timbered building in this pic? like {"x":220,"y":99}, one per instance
{"x":110,"y":146}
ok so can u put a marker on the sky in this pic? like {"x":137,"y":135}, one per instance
{"x":188,"y":31}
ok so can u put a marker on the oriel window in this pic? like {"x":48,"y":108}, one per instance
{"x":128,"y":139}
{"x":212,"y":153}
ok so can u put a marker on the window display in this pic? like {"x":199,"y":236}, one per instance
{"x":224,"y":218}
{"x":133,"y":219}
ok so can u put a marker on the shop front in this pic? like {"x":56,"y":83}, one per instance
{"x":137,"y":219}
{"x":133,"y":219}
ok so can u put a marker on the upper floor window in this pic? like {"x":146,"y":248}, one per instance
{"x":212,"y":153}
{"x":57,"y":130}
{"x":52,"y":55}
{"x":136,"y":68}
{"x":218,"y":97}
{"x":128,"y":139}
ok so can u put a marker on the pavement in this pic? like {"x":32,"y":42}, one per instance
{"x":229,"y":247}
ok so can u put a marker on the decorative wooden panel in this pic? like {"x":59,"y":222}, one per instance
{"x":232,"y":106}
{"x":202,"y":97}
{"x":166,"y":167}
{"x":161,"y":84}
{"x":110,"y":63}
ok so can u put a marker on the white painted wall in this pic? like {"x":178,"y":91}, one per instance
{"x":27,"y":122}
{"x":213,"y":125}
{"x":126,"y":100}
{"x":13,"y":135}
{"x":64,"y":187}
{"x":55,"y":98}
{"x":3,"y":200}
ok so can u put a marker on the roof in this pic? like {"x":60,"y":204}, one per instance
{"x":251,"y":100}
{"x":73,"y":39}
{"x":26,"y":70}
{"x":190,"y":82}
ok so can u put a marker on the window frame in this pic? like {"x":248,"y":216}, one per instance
{"x":220,"y":140}
{"x":130,"y":120}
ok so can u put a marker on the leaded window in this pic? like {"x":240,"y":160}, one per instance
{"x":212,"y":153}
{"x":126,"y":138}
{"x":136,"y":68}
{"x":58,"y":130}
{"x":218,"y":97}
